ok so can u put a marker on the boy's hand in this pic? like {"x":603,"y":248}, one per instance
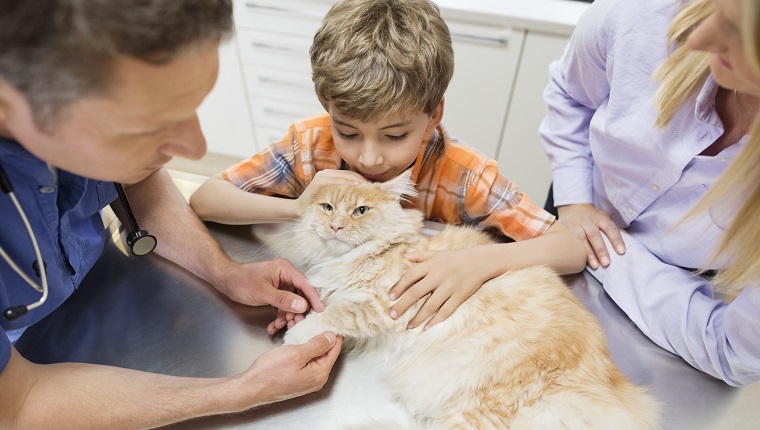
{"x":327,"y":177}
{"x":449,"y":275}
{"x":587,"y":222}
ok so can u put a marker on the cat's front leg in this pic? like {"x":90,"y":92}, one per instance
{"x":309,"y":327}
{"x":355,"y":319}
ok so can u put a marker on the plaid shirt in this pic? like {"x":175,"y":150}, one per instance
{"x":457,"y":184}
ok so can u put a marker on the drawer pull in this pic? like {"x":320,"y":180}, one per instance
{"x":280,"y":112}
{"x":307,"y":13}
{"x":500,"y":40}
{"x":267,"y":80}
{"x":278,"y":48}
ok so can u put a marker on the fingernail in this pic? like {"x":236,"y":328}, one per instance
{"x":394,"y":314}
{"x":605,"y":261}
{"x":330,"y":337}
{"x":594,"y":265}
{"x":393,"y":296}
{"x":427,"y":327}
{"x":620,"y":249}
{"x":409,"y":326}
{"x":297,"y":305}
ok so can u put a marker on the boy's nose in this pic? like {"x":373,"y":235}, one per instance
{"x":370,"y":156}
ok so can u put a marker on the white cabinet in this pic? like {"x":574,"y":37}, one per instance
{"x":502,"y":49}
{"x":521,"y":157}
{"x":485,"y":63}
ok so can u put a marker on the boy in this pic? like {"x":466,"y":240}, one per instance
{"x":380,"y":68}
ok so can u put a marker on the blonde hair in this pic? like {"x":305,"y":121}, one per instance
{"x":685,"y":71}
{"x":372,"y":58}
{"x":739,"y":185}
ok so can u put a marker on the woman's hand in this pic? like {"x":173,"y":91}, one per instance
{"x":588,"y":223}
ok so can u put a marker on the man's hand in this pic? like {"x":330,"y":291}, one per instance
{"x":292,"y":370}
{"x":449,"y":275}
{"x":277,"y":283}
{"x":588,"y":223}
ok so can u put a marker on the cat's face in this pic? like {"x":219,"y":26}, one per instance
{"x":346,"y":216}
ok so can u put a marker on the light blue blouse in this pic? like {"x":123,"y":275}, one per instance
{"x":604,"y":149}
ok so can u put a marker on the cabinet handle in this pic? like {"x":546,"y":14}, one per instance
{"x":500,"y":40}
{"x":267,"y":80}
{"x":278,"y":48}
{"x":272,"y":111}
{"x":307,"y":13}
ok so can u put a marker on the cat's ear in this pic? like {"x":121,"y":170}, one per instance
{"x":400,"y":186}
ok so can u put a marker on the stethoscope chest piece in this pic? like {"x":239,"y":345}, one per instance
{"x":141,"y":242}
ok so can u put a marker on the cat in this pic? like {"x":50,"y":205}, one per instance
{"x":521,"y":353}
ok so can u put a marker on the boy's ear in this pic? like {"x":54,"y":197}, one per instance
{"x":437,"y":116}
{"x":400,"y":186}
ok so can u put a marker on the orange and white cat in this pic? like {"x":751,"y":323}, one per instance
{"x":521,"y":353}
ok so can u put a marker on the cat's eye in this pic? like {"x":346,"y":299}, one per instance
{"x":327,"y":207}
{"x":361,"y":210}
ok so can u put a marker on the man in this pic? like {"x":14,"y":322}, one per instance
{"x":94,"y":91}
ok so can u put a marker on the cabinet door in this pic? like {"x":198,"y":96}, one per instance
{"x":521,"y":157}
{"x":485,"y":62}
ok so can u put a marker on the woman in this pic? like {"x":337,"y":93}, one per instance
{"x":640,"y":124}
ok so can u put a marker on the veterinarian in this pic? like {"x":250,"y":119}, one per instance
{"x":93,"y":93}
{"x":650,"y":104}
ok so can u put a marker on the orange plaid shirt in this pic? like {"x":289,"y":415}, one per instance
{"x":457,"y":184}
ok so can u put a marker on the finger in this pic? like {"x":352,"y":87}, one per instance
{"x":431,"y":306}
{"x":419,"y":256}
{"x":410,"y":297}
{"x":599,"y":247}
{"x":411,"y":277}
{"x":612,"y":232}
{"x":317,"y":346}
{"x":444,"y":312}
{"x":293,"y":277}
{"x":591,"y":257}
{"x":326,"y":361}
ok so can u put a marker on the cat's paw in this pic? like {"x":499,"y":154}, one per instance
{"x":303,"y":332}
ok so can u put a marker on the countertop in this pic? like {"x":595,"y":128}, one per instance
{"x":547,"y":16}
{"x":148,"y":314}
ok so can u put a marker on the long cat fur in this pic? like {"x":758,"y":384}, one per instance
{"x":521,"y":353}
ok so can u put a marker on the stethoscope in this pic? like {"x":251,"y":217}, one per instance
{"x":139,"y":241}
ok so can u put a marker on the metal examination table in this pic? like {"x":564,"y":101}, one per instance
{"x":148,"y":314}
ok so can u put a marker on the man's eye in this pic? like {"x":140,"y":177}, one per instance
{"x":361,"y":210}
{"x":327,"y":207}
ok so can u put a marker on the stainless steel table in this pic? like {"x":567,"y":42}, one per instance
{"x":148,"y":314}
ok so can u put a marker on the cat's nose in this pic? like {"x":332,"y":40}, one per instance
{"x":336,"y":227}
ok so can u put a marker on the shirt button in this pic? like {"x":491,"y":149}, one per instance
{"x":47,"y":190}
{"x":655,"y":188}
{"x":673,"y":168}
{"x":630,"y":211}
{"x":724,"y":159}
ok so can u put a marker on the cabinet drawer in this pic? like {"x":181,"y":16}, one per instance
{"x":280,"y":114}
{"x":279,"y":50}
{"x":282,"y":16}
{"x":280,"y":84}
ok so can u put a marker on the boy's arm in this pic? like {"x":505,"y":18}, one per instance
{"x":453,"y":276}
{"x":221,"y":201}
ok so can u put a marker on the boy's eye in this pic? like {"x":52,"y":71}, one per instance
{"x":397,"y":137}
{"x":346,"y":136}
{"x":361,"y":210}
{"x":327,"y":207}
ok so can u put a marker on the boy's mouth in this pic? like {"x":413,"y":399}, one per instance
{"x":375,"y":177}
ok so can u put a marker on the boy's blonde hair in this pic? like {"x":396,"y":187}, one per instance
{"x":739,"y":186}
{"x":685,"y":71}
{"x":373,"y":58}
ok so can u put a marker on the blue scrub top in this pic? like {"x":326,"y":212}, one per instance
{"x":65,"y":217}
